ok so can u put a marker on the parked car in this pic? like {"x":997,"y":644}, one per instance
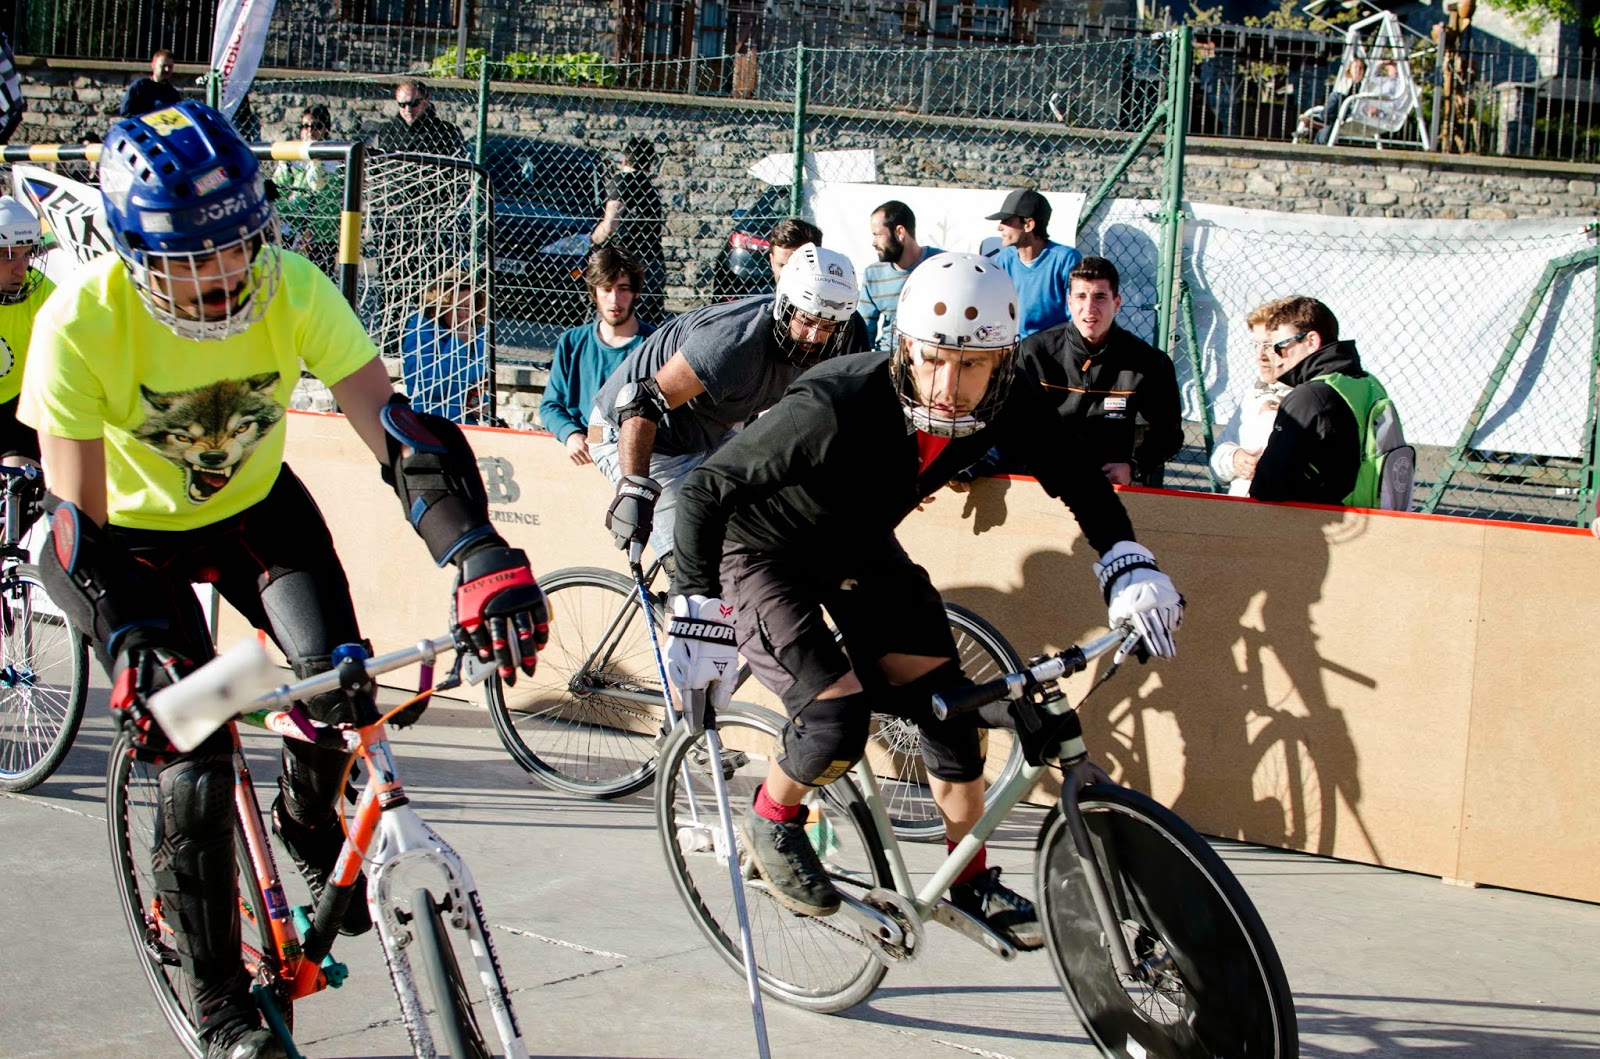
{"x":547,"y":199}
{"x":744,"y":263}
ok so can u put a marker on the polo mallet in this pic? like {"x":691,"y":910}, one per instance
{"x":694,"y":715}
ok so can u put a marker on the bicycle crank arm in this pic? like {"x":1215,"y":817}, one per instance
{"x":969,"y":926}
{"x":880,"y":925}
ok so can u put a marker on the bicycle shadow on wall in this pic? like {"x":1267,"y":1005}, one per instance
{"x":1239,"y":733}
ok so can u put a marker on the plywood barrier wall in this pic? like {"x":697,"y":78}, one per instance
{"x":1407,"y":691}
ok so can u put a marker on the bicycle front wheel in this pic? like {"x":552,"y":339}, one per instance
{"x":895,"y":747}
{"x":458,"y":1024}
{"x":587,"y":721}
{"x":44,"y":676}
{"x":1207,"y":981}
{"x":133,"y":819}
{"x":817,"y":964}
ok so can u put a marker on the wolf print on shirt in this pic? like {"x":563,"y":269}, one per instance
{"x":209,"y":432}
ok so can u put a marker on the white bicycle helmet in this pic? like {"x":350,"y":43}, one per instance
{"x":821,"y":283}
{"x":19,"y":230}
{"x":955,"y":301}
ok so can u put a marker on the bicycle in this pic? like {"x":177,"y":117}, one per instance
{"x":1152,"y":938}
{"x":287,"y":951}
{"x":590,"y":721}
{"x":44,"y":661}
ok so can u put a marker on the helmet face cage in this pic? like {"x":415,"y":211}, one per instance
{"x":20,"y":236}
{"x":173,"y":284}
{"x":783,"y":311}
{"x":30,"y":279}
{"x":919,"y":408}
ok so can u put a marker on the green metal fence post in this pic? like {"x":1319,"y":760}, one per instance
{"x":797,"y":189}
{"x":483,"y":110}
{"x":1172,"y":188}
{"x":214,"y":88}
{"x":1591,"y":434}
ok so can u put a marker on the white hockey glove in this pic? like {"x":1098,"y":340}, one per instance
{"x":702,"y":654}
{"x":1137,"y":591}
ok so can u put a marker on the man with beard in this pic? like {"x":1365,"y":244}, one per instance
{"x":586,"y":355}
{"x":1101,"y":379}
{"x":894,"y":237}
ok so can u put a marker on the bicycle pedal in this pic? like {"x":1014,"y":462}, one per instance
{"x":970,"y":926}
{"x":697,"y":838}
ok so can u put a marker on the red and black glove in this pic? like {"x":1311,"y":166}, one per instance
{"x":500,"y":609}
{"x":143,"y":668}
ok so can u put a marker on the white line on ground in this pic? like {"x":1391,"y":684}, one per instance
{"x":52,"y":805}
{"x":558,"y":941}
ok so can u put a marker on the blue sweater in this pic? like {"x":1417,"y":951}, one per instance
{"x":581,"y":363}
{"x":441,"y":370}
{"x":1042,"y":287}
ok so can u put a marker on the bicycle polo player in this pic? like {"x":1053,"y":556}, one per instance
{"x":797,"y":515}
{"x":23,"y":290}
{"x":702,"y":376}
{"x":158,"y":385}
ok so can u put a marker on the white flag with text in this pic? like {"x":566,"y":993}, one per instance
{"x":237,"y":45}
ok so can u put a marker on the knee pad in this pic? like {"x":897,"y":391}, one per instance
{"x":825,"y":737}
{"x":195,"y":867}
{"x":951,"y":749}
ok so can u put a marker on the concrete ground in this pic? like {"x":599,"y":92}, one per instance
{"x":605,"y":960}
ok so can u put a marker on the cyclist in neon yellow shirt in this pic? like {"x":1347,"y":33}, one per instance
{"x":158,"y":385}
{"x":23,"y":289}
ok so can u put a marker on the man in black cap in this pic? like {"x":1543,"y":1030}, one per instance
{"x":1037,"y":266}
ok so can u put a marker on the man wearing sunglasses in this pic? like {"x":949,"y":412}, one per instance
{"x":1314,"y":453}
{"x":417,"y":128}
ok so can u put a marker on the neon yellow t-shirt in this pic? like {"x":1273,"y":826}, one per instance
{"x":193,"y":429}
{"x":16,"y":325}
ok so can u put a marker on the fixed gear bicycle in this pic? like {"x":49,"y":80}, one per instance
{"x":44,"y":661}
{"x":1153,"y":940}
{"x":589,"y":722}
{"x":287,"y":951}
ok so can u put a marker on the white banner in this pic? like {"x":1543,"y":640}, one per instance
{"x":71,"y":216}
{"x":236,"y":46}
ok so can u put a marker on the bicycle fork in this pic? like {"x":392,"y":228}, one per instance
{"x":1079,"y":773}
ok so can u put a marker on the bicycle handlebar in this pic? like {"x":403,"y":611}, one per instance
{"x":1014,"y":686}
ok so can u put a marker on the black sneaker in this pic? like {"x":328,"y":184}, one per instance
{"x":786,"y":859}
{"x":314,"y":851}
{"x":1009,"y":913}
{"x":235,"y":1032}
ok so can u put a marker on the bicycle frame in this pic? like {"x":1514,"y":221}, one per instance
{"x":385,"y":833}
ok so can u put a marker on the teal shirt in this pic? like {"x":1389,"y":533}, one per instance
{"x":581,"y":364}
{"x":880,"y":294}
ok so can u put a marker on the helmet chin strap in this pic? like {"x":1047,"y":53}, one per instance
{"x":923,"y":419}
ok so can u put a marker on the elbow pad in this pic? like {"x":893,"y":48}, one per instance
{"x":95,"y":581}
{"x":642,"y":398}
{"x":438,"y":482}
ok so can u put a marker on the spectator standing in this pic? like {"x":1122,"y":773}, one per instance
{"x":1233,"y":461}
{"x":633,"y":222}
{"x":586,"y":356}
{"x":443,"y":358}
{"x":1037,"y":266}
{"x":153,"y":92}
{"x":417,"y":128}
{"x":894,"y":237}
{"x":1315,"y":454}
{"x":1101,"y":379}
{"x":12,"y":103}
{"x":787,"y":236}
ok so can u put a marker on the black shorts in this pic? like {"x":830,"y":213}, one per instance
{"x":16,"y":438}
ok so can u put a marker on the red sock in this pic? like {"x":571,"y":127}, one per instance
{"x":771,"y":810}
{"x":975,"y":867}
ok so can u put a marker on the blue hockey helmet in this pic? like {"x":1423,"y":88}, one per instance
{"x":189,"y":215}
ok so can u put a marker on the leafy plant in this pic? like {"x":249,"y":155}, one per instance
{"x":565,"y":68}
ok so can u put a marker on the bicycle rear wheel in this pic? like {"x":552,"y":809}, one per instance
{"x":1209,"y":981}
{"x":133,"y":818}
{"x":895,"y":747}
{"x":587,"y":722}
{"x":44,"y":676}
{"x":458,"y":1024}
{"x":817,"y":964}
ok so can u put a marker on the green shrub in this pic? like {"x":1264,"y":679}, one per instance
{"x":567,"y":68}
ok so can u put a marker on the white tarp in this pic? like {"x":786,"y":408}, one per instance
{"x":948,"y":218}
{"x":1430,"y":304}
{"x":236,"y":46}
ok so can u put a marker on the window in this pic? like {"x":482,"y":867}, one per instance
{"x":663,"y":22}
{"x":964,"y":19}
{"x":425,"y":13}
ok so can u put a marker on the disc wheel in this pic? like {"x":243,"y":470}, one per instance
{"x":133,"y":817}
{"x":44,"y":677}
{"x":820,"y":964}
{"x":458,"y":1025}
{"x":895,"y":746}
{"x":1207,"y":981}
{"x":587,"y":721}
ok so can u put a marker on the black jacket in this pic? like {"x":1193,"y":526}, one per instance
{"x":1100,"y":392}
{"x":833,"y":468}
{"x":1314,"y":453}
{"x":429,"y":134}
{"x":147,"y":94}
